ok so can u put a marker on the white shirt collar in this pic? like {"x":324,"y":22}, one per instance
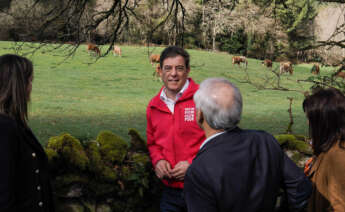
{"x":209,"y":138}
{"x":164,"y":97}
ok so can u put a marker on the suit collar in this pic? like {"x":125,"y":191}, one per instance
{"x":217,"y":139}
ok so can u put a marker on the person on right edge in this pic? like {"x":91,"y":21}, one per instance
{"x":238,"y":170}
{"x":325,"y":111}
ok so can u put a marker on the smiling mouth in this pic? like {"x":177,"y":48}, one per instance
{"x":173,"y":80}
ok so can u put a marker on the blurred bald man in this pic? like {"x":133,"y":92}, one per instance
{"x":237,"y":170}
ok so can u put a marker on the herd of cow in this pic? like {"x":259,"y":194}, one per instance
{"x":92,"y":48}
{"x":285,"y":67}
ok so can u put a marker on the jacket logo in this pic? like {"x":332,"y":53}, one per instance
{"x":189,"y":114}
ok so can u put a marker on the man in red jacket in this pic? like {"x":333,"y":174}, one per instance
{"x":173,"y":136}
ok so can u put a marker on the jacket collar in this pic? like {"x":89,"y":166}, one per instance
{"x":216,"y":140}
{"x":187,"y":94}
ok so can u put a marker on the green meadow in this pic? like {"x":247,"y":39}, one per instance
{"x":82,"y":95}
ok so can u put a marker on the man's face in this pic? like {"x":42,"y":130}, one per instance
{"x":174,"y":74}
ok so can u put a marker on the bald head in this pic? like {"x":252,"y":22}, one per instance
{"x":220,"y":102}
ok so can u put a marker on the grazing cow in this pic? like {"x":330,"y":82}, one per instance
{"x":154,"y":58}
{"x":93,"y":48}
{"x":117,"y":51}
{"x":156,"y":73}
{"x":286,"y":67}
{"x":315,"y":69}
{"x":239,"y":59}
{"x":267,"y":63}
{"x":340,"y":74}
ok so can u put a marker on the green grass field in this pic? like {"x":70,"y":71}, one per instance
{"x":82,"y":96}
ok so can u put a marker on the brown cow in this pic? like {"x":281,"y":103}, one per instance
{"x":340,"y":74}
{"x":156,"y":73}
{"x":93,"y":48}
{"x":154,"y":58}
{"x":117,"y":51}
{"x":286,"y":67}
{"x":315,"y":69}
{"x":267,"y":63}
{"x":239,"y":59}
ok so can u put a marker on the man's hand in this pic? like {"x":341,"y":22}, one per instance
{"x":163,"y":169}
{"x":180,"y":170}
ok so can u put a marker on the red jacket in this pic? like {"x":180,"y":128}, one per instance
{"x":173,"y":137}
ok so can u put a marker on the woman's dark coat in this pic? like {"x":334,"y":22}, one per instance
{"x":24,"y":180}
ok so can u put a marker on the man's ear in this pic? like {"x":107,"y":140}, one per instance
{"x":200,"y":116}
{"x":160,"y":71}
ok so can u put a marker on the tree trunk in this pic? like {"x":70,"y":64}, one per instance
{"x":214,"y":39}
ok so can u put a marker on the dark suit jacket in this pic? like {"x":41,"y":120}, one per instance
{"x":243,"y":171}
{"x":24,"y":180}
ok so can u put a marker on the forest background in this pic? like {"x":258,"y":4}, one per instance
{"x":301,"y":31}
{"x":298,"y":30}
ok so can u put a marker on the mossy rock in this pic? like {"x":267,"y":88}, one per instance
{"x":69,"y":207}
{"x":68,"y":179}
{"x":62,"y":184}
{"x":125,"y":172}
{"x":97,"y":189}
{"x":95,"y":159}
{"x":138,"y":144}
{"x":290,"y":142}
{"x":97,"y":165}
{"x":51,"y":154}
{"x":53,"y":158}
{"x":301,"y":137}
{"x":112,"y":148}
{"x":140,"y":159}
{"x":68,"y":149}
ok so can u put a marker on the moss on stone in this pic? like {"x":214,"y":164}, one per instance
{"x":68,"y":179}
{"x":96,"y":188}
{"x":112,"y":148}
{"x":301,"y":146}
{"x":140,"y":158}
{"x":292,"y":143}
{"x":69,"y":149}
{"x":97,"y":165}
{"x":125,"y":172}
{"x":51,"y":154}
{"x":138,"y":144}
{"x":300,"y":137}
{"x":296,"y":157}
{"x":109,"y":174}
{"x":95,"y":160}
{"x":53,"y":159}
{"x":284,"y":138}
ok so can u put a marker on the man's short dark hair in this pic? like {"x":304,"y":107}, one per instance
{"x":173,"y":51}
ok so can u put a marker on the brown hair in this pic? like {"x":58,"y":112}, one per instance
{"x":325,"y":110}
{"x":174,"y":51}
{"x":15,"y":73}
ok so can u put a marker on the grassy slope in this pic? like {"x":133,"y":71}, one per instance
{"x":111,"y":94}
